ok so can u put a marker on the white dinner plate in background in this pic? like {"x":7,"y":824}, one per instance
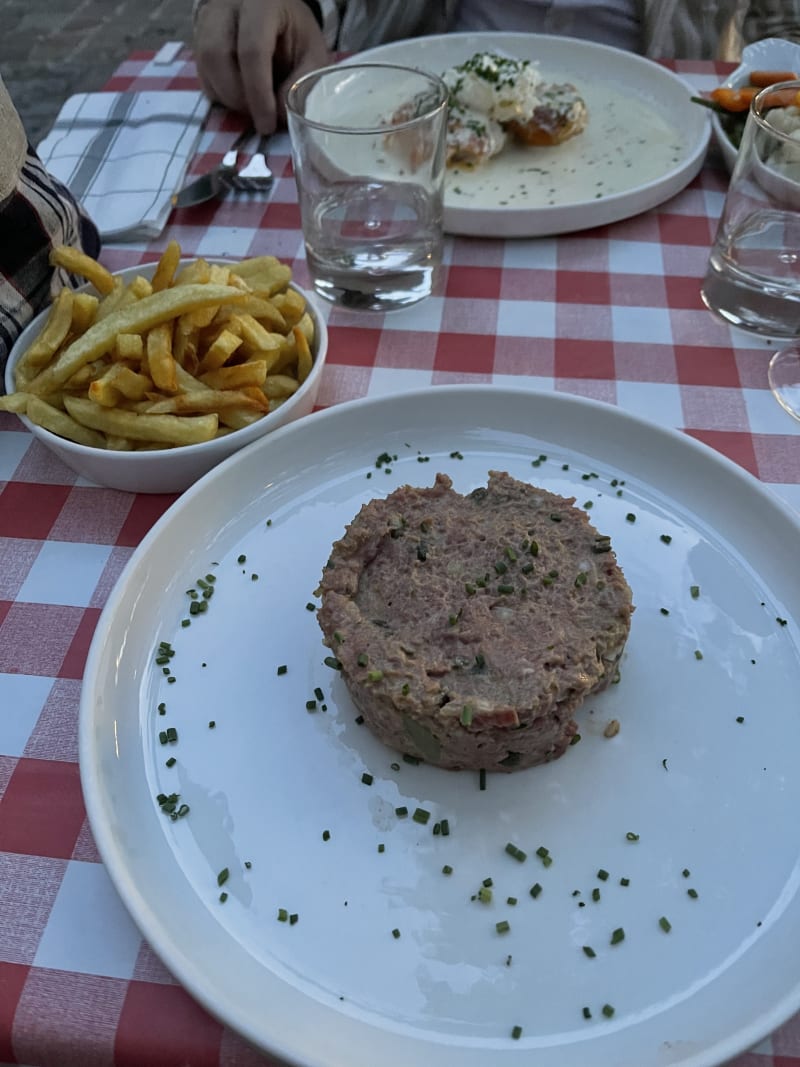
{"x":644,"y":141}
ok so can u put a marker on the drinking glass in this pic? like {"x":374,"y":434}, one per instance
{"x":368,"y":147}
{"x":753,"y":275}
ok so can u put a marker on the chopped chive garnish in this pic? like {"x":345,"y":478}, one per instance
{"x":511,"y":901}
{"x":172,"y":734}
{"x":293,"y":918}
{"x":223,"y":897}
{"x":466,"y":715}
{"x":171,"y":761}
{"x":617,"y":936}
{"x":695,"y":591}
{"x":516,"y":1032}
{"x":740,"y":718}
{"x":516,"y":852}
{"x":665,"y":924}
{"x":630,"y":517}
{"x":326,"y":835}
{"x":602,"y":875}
{"x":586,"y":1013}
{"x":311,"y":705}
{"x":487,"y":882}
{"x":366,"y":778}
{"x":666,"y":539}
{"x":401,"y":812}
{"x":482,"y":779}
{"x":608,"y":1011}
{"x":421,"y":816}
{"x":363,"y":659}
{"x":223,"y":876}
{"x":381,"y":847}
{"x":212,"y":725}
{"x":595,"y":894}
{"x":535,"y":890}
{"x":283,"y":915}
{"x":624,"y":881}
{"x":485,"y":895}
{"x":319,"y":694}
{"x":503,"y":926}
{"x":359,"y":720}
{"x":241,"y":559}
{"x":589,"y":951}
{"x":447,"y":869}
{"x":332,"y":662}
{"x":282,"y":669}
{"x":631,"y":836}
{"x":395,"y":933}
{"x":374,"y":676}
{"x":692,"y":893}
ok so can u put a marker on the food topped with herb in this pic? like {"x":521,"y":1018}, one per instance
{"x":470,"y":628}
{"x":494,"y":98}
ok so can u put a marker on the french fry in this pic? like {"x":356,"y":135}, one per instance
{"x":196,"y":273}
{"x":140,"y":287}
{"x":304,"y":357}
{"x":280,"y":385}
{"x":50,"y":418}
{"x":254,"y":373}
{"x":84,"y":311}
{"x":16,"y":403}
{"x":167,"y":265}
{"x":291,"y":305}
{"x":141,"y":316}
{"x":164,"y":429}
{"x":128,"y":347}
{"x":77,"y":262}
{"x":219,"y":351}
{"x":119,"y":381}
{"x":161,"y":364}
{"x":55,"y":330}
{"x":263,"y":274}
{"x":209,"y":400}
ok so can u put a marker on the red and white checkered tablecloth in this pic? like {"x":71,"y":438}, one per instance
{"x":613,"y":313}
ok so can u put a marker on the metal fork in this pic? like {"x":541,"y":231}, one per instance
{"x":215,"y":181}
{"x":255,"y":176}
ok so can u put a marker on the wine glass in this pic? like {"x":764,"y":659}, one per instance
{"x":783,"y":375}
{"x":753,"y":276}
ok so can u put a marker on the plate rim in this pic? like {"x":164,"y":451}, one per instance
{"x":112,"y":855}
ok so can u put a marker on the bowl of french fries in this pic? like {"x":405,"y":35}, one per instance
{"x":145,"y":379}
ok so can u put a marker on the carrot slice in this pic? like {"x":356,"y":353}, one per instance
{"x":734,"y":99}
{"x":764,"y":78}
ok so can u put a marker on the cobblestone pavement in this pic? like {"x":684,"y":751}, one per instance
{"x":50,"y":49}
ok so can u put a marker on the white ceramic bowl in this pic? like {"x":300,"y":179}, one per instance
{"x":174,"y":469}
{"x":774,"y":53}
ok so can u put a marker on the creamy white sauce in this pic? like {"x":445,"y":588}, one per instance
{"x":626,"y":144}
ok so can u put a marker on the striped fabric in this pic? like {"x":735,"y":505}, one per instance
{"x":685,"y":29}
{"x":37,"y":215}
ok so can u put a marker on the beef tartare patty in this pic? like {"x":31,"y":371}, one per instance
{"x":470,"y":628}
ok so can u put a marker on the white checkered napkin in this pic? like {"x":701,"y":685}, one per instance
{"x":123,"y":155}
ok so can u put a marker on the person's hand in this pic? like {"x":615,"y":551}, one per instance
{"x":249,"y":52}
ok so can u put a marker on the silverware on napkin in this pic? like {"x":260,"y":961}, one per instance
{"x":216,"y":180}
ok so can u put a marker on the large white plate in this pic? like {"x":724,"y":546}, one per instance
{"x":644,"y":143}
{"x":703,"y":791}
